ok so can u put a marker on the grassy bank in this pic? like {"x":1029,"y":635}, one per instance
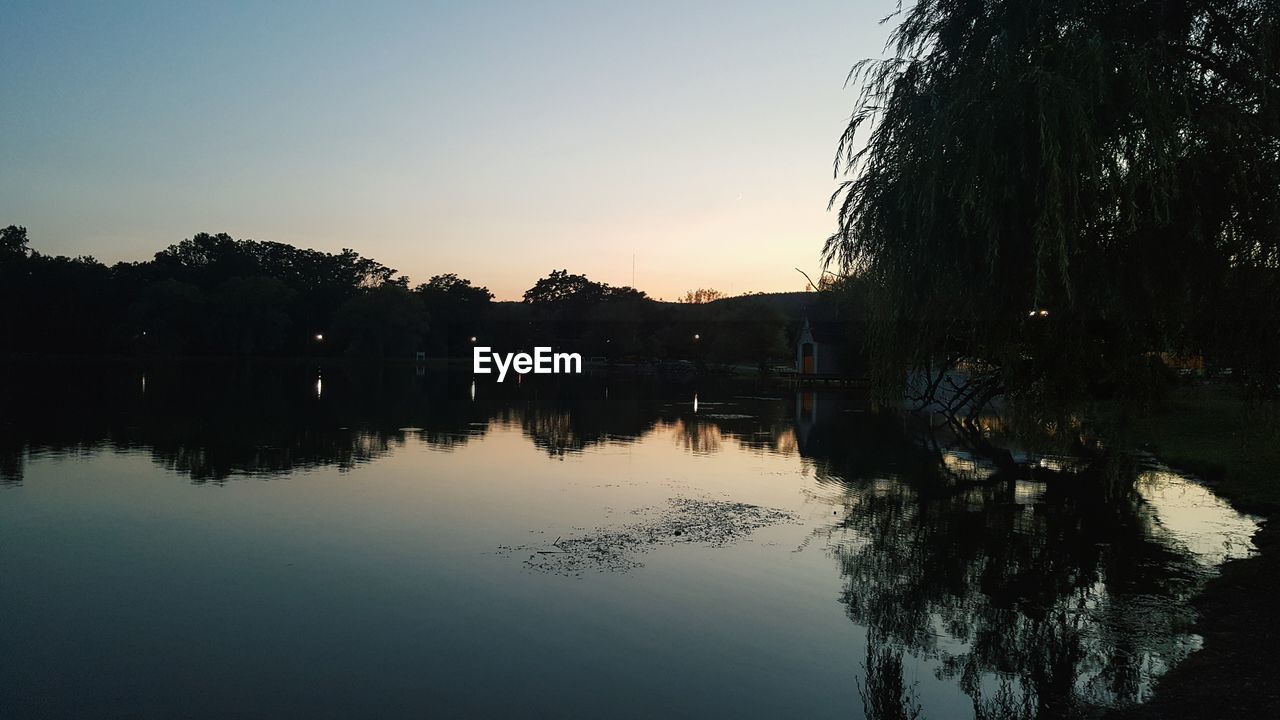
{"x":1210,"y":430}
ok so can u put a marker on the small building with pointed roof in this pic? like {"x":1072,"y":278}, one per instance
{"x":820,"y":349}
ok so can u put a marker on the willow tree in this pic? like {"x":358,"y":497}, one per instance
{"x":1057,"y":191}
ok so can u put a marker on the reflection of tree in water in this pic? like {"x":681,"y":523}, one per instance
{"x":885,"y":693}
{"x":697,"y":436}
{"x":565,"y":418}
{"x":568,"y":418}
{"x":218,"y":462}
{"x":554,"y":432}
{"x":708,"y":436}
{"x":761,"y":424}
{"x":211,"y":421}
{"x":12,"y":460}
{"x":1038,"y":603}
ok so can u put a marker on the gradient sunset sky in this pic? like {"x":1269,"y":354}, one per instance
{"x":496,"y":140}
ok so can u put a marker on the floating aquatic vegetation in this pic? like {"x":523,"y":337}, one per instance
{"x":713,"y":523}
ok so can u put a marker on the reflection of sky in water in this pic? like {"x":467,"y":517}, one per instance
{"x":366,"y":580}
{"x":383,"y":582}
{"x":1200,"y":522}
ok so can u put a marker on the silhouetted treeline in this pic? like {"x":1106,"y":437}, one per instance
{"x":215,"y":295}
{"x":211,"y":294}
{"x":623,"y":324}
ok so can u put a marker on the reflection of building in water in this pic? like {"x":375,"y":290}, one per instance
{"x":806,"y":415}
{"x":813,"y":410}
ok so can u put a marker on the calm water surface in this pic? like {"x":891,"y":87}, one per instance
{"x":205,"y":541}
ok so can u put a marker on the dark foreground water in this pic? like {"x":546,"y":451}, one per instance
{"x":209,"y":541}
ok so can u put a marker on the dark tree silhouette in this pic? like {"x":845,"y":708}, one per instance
{"x":13,"y":243}
{"x":210,"y":294}
{"x":458,"y":311}
{"x":1062,"y":190}
{"x":385,"y":321}
{"x":562,"y":287}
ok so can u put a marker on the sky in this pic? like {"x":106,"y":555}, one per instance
{"x":495,"y":140}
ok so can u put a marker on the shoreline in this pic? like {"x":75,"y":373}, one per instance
{"x":1205,"y":430}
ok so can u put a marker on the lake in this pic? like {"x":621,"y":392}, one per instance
{"x":209,"y":540}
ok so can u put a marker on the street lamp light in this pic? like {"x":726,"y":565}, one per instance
{"x":319,"y":337}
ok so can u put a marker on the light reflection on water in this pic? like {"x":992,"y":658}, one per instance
{"x":1193,"y":519}
{"x":149,"y":571}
